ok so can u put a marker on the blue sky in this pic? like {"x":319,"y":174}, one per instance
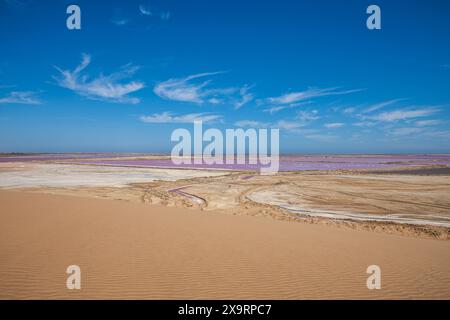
{"x":139,"y":69}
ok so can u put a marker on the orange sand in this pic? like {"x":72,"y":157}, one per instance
{"x":136,"y":250}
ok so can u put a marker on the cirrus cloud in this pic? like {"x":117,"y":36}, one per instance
{"x":190,"y":89}
{"x":334,"y":125}
{"x":310,"y":93}
{"x":151,"y":12}
{"x":168,"y":117}
{"x":404,"y":114}
{"x":110,"y":87}
{"x":20,"y":97}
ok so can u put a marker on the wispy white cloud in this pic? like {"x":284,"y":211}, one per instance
{"x":182,"y":89}
{"x":334,"y":125}
{"x":275,"y":109}
{"x":406,"y":131}
{"x":380,"y":105}
{"x":167,"y":117}
{"x":152,"y":12}
{"x":293,"y":127}
{"x":439,"y":134}
{"x":425,"y":123}
{"x":404,"y":114}
{"x":365,"y":124}
{"x":245,"y":97}
{"x":20,"y":97}
{"x":306,"y":116}
{"x":215,"y":101}
{"x":252,"y":124}
{"x":189,"y":89}
{"x":311,"y":93}
{"x":349,"y":110}
{"x":144,"y":10}
{"x":105,"y":87}
{"x":287,"y":125}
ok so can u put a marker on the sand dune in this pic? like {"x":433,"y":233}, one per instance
{"x":135,"y":250}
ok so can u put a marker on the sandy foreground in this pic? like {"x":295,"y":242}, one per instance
{"x":136,"y":250}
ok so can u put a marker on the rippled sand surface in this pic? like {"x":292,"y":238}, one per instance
{"x":137,"y":250}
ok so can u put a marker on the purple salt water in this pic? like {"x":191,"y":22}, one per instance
{"x":287,"y":162}
{"x":301,"y":163}
{"x":60,"y":156}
